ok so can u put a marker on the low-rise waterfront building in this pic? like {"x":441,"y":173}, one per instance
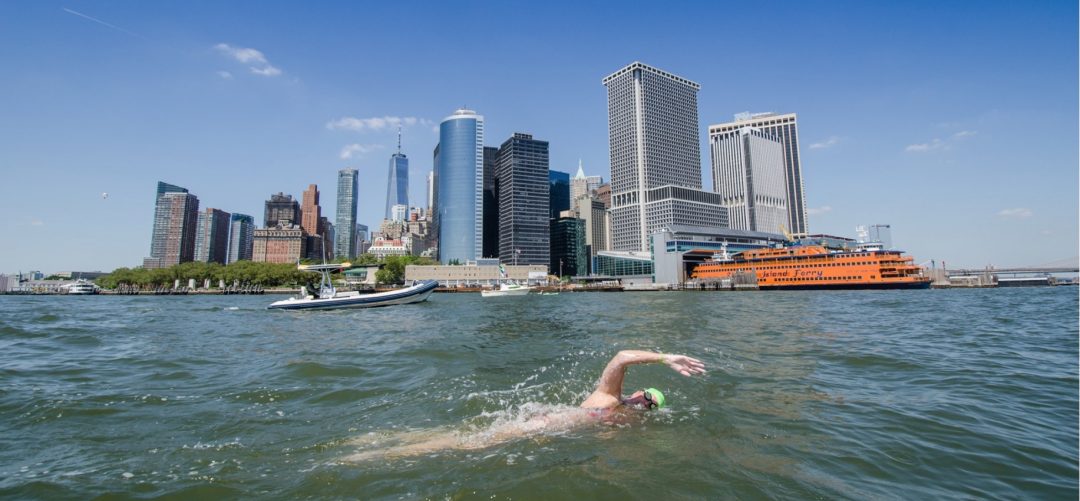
{"x":678,"y":249}
{"x":476,"y":275}
{"x":75,"y":275}
{"x":388,"y":247}
{"x":628,"y":267}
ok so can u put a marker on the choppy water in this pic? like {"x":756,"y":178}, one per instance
{"x":810,"y":395}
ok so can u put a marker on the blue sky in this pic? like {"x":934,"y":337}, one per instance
{"x":955,"y":122}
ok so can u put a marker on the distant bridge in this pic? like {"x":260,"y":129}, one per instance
{"x":1013,"y":271}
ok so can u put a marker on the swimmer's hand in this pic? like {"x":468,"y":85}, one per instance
{"x":684,"y":365}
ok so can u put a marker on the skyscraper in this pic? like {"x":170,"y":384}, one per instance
{"x":241,"y":237}
{"x":399,"y":213}
{"x":558,"y":192}
{"x":176,"y":216}
{"x":524,"y":204}
{"x":459,"y":196}
{"x":784,"y":128}
{"x":212,"y":236}
{"x":654,"y":144}
{"x":431,"y":190}
{"x":748,"y":173}
{"x":491,"y":202}
{"x":568,"y":248}
{"x":579,"y":185}
{"x":326,"y":238}
{"x":397,"y":181}
{"x":311,"y":211}
{"x":590,"y":209}
{"x":281,"y":207}
{"x":311,"y":222}
{"x":345,"y":216}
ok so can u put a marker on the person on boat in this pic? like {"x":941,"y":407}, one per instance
{"x":605,"y":405}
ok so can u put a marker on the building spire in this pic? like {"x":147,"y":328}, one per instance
{"x":399,"y":140}
{"x":580,"y":170}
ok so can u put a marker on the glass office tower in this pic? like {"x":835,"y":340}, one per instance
{"x":397,"y":182}
{"x":345,"y":217}
{"x":559,"y":191}
{"x":241,"y":237}
{"x":459,"y":176}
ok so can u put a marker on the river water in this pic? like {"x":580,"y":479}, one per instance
{"x":935,"y":394}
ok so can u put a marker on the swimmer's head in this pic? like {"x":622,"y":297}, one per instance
{"x":653,"y":395}
{"x":650,"y":398}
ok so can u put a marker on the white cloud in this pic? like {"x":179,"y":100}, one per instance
{"x":1018,"y":212}
{"x":37,"y":222}
{"x":258,"y":64}
{"x":938,"y":143}
{"x":374,"y":123}
{"x":819,"y":211}
{"x":353,"y":150}
{"x":832,"y":141}
{"x":921,"y":147}
{"x":268,"y":71}
{"x":225,"y":75}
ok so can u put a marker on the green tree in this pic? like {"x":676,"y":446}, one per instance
{"x":366,"y":258}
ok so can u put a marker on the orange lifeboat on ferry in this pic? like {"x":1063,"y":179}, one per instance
{"x":814,"y":267}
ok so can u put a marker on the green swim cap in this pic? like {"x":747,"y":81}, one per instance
{"x":657,"y":397}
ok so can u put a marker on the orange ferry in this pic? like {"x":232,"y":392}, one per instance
{"x":814,"y":267}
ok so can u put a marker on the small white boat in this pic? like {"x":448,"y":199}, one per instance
{"x":507,"y":290}
{"x":328,"y":298}
{"x":82,"y":287}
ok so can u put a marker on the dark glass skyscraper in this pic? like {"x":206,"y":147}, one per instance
{"x":560,"y":192}
{"x":345,"y":217}
{"x":459,"y":176}
{"x":524,"y":203}
{"x":568,"y":252}
{"x":491,"y":202}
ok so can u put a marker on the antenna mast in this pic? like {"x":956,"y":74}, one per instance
{"x":399,"y":139}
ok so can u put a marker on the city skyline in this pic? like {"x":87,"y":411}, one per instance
{"x":917,"y":129}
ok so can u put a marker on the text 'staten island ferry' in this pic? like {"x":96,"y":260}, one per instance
{"x":814,"y":267}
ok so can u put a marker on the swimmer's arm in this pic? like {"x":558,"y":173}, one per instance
{"x":609,"y":389}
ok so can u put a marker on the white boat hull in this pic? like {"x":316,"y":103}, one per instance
{"x":408,"y":295}
{"x":519,"y":291}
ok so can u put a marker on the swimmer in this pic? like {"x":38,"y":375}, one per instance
{"x":608,"y":393}
{"x":604,"y":405}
